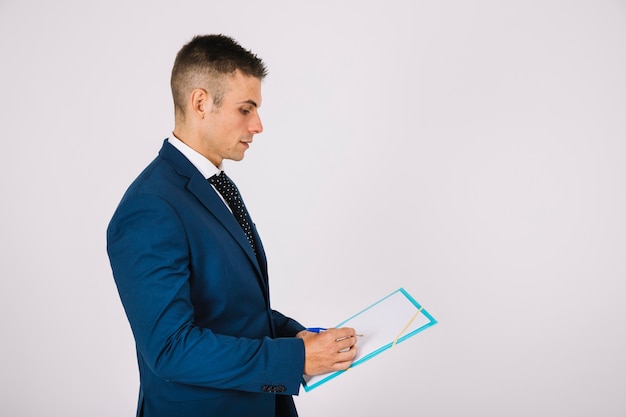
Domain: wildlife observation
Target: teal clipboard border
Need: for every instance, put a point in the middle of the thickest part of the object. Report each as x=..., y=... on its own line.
x=430, y=323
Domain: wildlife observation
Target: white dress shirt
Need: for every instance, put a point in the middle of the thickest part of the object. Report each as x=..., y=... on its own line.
x=206, y=167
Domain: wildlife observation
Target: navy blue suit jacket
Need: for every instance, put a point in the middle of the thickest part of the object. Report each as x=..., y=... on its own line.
x=196, y=296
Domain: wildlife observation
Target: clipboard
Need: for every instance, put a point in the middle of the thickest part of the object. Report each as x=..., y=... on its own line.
x=389, y=321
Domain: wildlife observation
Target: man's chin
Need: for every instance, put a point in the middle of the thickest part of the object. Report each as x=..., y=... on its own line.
x=236, y=158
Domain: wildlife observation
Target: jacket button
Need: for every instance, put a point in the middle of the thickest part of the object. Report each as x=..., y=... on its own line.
x=273, y=388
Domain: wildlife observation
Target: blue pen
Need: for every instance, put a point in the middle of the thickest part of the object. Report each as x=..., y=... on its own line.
x=316, y=329
x=322, y=329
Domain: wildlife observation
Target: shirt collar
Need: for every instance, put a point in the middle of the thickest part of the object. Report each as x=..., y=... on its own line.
x=206, y=168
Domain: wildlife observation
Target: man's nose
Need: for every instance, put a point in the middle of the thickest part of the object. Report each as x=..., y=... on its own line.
x=256, y=126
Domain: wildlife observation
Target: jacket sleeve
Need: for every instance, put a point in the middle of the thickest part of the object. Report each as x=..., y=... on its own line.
x=149, y=256
x=285, y=326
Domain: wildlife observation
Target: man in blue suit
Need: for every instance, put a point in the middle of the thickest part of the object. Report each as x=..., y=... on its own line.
x=191, y=277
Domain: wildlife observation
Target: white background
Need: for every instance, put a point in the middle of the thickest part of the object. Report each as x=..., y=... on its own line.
x=472, y=152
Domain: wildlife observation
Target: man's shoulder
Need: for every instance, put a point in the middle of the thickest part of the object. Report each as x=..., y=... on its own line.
x=165, y=179
x=159, y=178
x=157, y=175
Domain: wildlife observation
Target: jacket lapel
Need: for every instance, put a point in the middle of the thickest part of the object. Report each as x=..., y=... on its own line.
x=202, y=190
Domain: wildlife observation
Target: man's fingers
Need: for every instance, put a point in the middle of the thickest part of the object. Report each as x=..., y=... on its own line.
x=344, y=344
x=345, y=359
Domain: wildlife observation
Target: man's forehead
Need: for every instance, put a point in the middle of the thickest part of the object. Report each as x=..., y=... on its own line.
x=245, y=89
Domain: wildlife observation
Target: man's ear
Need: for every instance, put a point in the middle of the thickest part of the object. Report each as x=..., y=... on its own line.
x=200, y=102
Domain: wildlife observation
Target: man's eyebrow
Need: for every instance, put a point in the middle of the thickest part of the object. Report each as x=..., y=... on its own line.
x=251, y=102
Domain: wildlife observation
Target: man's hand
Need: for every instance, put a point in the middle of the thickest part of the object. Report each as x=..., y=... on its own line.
x=328, y=351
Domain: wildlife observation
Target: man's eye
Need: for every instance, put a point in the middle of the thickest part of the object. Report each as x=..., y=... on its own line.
x=245, y=111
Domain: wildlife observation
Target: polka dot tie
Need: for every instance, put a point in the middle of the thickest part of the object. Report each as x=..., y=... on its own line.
x=229, y=191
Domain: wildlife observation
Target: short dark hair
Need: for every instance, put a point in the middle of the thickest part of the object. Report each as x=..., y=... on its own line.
x=205, y=61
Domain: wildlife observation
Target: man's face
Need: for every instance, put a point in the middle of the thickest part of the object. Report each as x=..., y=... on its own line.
x=227, y=130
